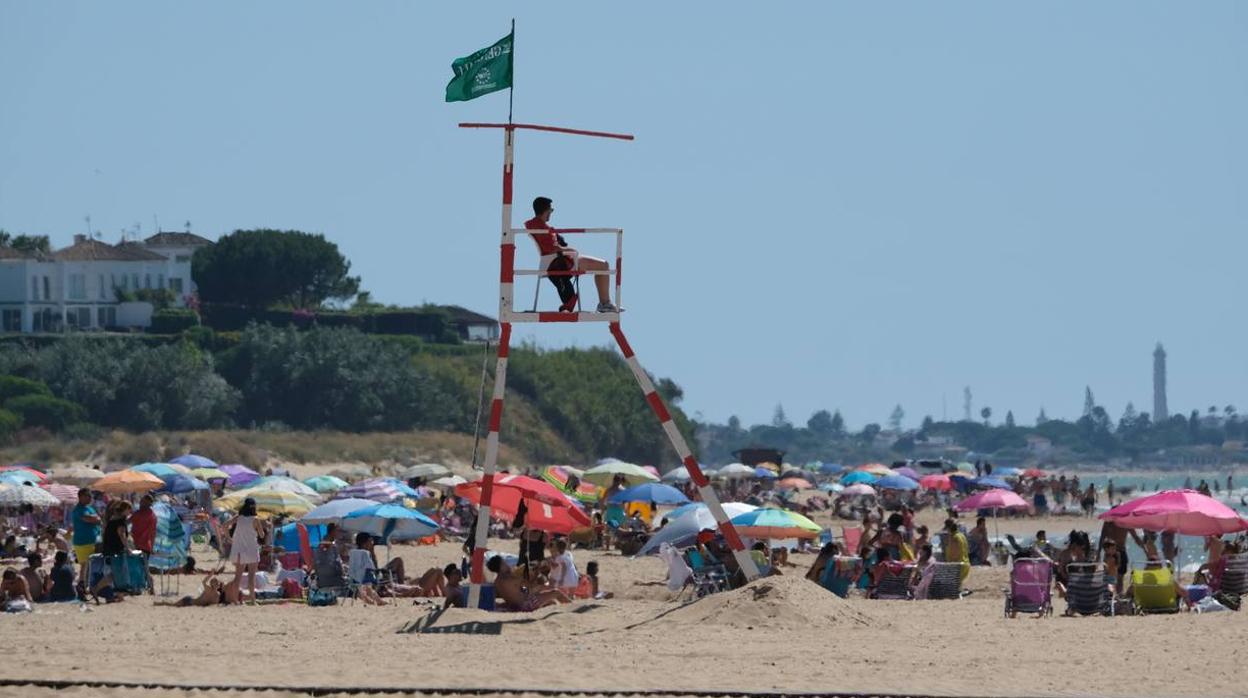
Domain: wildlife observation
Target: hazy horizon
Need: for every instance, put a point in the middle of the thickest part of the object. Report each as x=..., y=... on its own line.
x=827, y=206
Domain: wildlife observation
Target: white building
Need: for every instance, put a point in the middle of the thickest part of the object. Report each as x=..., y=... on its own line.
x=76, y=288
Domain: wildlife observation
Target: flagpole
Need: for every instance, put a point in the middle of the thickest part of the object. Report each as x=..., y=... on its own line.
x=511, y=90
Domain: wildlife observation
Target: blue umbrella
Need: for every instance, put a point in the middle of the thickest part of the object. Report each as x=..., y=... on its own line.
x=858, y=476
x=193, y=461
x=650, y=492
x=993, y=482
x=172, y=541
x=160, y=470
x=403, y=487
x=1006, y=471
x=332, y=512
x=390, y=521
x=896, y=482
x=181, y=484
x=20, y=477
x=831, y=468
x=764, y=473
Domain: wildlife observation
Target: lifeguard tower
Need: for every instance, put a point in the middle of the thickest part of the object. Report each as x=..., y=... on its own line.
x=507, y=315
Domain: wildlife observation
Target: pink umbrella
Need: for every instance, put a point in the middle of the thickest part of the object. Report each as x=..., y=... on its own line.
x=794, y=483
x=1182, y=511
x=940, y=483
x=858, y=490
x=652, y=470
x=67, y=494
x=991, y=499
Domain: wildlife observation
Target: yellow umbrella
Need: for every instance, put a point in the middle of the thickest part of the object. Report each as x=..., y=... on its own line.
x=876, y=469
x=267, y=502
x=210, y=474
x=127, y=482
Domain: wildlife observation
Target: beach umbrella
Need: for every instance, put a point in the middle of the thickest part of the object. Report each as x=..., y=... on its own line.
x=603, y=475
x=832, y=487
x=734, y=471
x=1006, y=471
x=684, y=523
x=792, y=472
x=993, y=482
x=38, y=475
x=160, y=470
x=18, y=495
x=281, y=483
x=775, y=523
x=239, y=475
x=323, y=484
x=939, y=483
x=764, y=473
x=267, y=502
x=172, y=541
x=831, y=468
x=965, y=467
x=1034, y=472
x=559, y=476
x=333, y=511
x=193, y=461
x=896, y=482
x=859, y=490
x=181, y=484
x=390, y=522
x=908, y=472
x=20, y=477
x=424, y=470
x=207, y=474
x=449, y=482
x=79, y=475
x=65, y=494
x=378, y=489
x=768, y=465
x=992, y=499
x=548, y=509
x=128, y=482
x=1183, y=511
x=855, y=477
x=794, y=483
x=680, y=474
x=875, y=469
x=650, y=492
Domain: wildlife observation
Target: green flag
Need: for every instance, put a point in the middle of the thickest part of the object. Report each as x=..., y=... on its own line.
x=486, y=71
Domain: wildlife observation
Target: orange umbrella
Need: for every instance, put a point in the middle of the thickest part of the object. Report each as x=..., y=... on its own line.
x=127, y=482
x=794, y=483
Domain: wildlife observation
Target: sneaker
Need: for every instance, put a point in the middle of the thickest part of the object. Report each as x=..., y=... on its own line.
x=607, y=307
x=570, y=305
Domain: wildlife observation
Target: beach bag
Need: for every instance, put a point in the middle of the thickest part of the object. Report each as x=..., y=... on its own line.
x=291, y=589
x=321, y=597
x=1231, y=601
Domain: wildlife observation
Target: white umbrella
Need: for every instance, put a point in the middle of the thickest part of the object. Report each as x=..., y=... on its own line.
x=448, y=482
x=280, y=483
x=686, y=526
x=79, y=475
x=736, y=470
x=425, y=470
x=680, y=474
x=19, y=495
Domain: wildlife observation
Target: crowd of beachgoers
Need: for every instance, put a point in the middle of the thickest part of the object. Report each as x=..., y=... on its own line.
x=84, y=535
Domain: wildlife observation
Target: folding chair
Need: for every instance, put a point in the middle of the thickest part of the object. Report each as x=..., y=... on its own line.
x=946, y=581
x=1153, y=589
x=1031, y=587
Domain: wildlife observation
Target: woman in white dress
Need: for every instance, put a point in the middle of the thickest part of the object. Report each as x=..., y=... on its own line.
x=245, y=531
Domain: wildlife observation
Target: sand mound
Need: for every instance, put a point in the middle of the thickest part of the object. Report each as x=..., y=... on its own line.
x=772, y=602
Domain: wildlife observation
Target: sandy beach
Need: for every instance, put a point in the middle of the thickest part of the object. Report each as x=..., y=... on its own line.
x=778, y=634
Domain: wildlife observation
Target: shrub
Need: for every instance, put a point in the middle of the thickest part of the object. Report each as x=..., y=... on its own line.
x=173, y=321
x=51, y=413
x=15, y=386
x=10, y=423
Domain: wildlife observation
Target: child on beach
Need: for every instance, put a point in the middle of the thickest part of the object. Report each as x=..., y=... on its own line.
x=591, y=572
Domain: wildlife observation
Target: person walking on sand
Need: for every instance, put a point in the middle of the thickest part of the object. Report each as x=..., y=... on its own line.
x=245, y=531
x=85, y=522
x=558, y=256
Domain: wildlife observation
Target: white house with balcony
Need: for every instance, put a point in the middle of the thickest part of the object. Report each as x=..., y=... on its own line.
x=76, y=287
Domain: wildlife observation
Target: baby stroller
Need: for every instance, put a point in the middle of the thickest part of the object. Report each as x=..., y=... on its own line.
x=1031, y=587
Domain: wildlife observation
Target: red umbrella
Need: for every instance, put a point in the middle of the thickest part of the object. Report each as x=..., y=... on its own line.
x=548, y=509
x=1182, y=511
x=940, y=483
x=41, y=475
x=1034, y=472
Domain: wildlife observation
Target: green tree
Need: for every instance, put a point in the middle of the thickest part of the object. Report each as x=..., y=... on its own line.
x=986, y=413
x=894, y=419
x=1009, y=419
x=838, y=425
x=820, y=424
x=869, y=432
x=1042, y=417
x=51, y=413
x=928, y=422
x=31, y=244
x=1089, y=402
x=779, y=420
x=261, y=268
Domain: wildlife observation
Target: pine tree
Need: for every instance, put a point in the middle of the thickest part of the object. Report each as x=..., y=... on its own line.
x=894, y=419
x=1009, y=419
x=1042, y=417
x=1089, y=402
x=778, y=419
x=838, y=424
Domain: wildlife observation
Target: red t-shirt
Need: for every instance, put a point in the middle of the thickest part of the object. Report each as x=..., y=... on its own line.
x=546, y=242
x=143, y=529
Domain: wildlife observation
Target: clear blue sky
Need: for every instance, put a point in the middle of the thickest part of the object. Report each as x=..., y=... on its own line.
x=827, y=205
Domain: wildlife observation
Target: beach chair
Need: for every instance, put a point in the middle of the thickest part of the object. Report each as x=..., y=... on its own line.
x=853, y=538
x=761, y=561
x=1087, y=590
x=946, y=581
x=841, y=574
x=1234, y=578
x=1031, y=587
x=327, y=573
x=895, y=584
x=706, y=577
x=1153, y=589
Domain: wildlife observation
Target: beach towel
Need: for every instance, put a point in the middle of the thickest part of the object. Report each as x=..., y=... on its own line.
x=678, y=571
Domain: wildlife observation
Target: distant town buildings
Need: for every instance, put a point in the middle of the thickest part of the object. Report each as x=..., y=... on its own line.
x=1160, y=413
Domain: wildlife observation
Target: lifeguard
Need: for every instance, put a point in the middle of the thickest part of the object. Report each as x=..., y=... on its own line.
x=558, y=256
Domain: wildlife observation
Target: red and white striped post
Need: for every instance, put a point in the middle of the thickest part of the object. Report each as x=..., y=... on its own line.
x=506, y=284
x=748, y=568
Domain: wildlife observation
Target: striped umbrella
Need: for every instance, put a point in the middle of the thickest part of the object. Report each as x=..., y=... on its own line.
x=13, y=495
x=65, y=494
x=377, y=489
x=172, y=540
x=267, y=502
x=603, y=475
x=279, y=483
x=775, y=523
x=559, y=477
